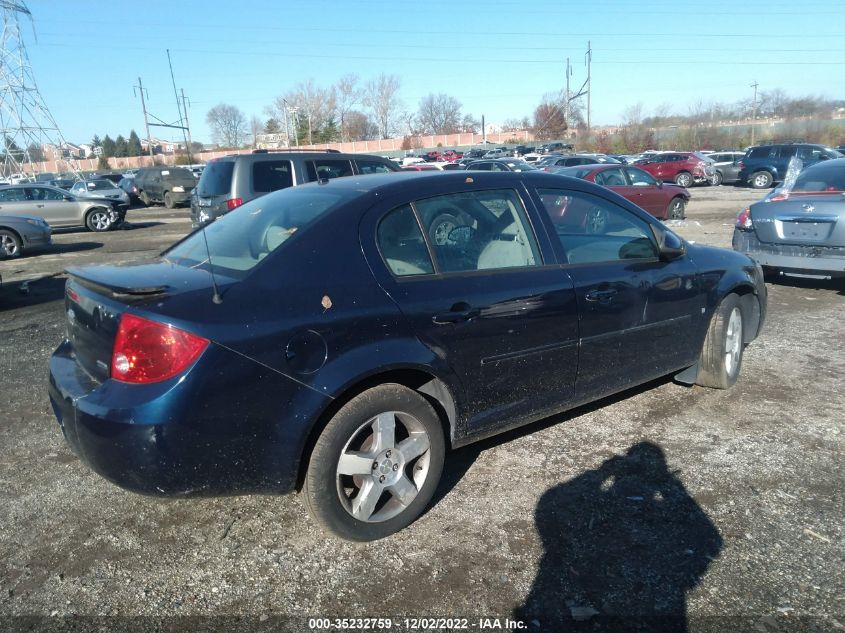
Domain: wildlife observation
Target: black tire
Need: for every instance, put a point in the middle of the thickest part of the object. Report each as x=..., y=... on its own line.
x=440, y=228
x=761, y=180
x=331, y=496
x=721, y=354
x=10, y=244
x=684, y=179
x=98, y=219
x=716, y=180
x=676, y=209
x=144, y=198
x=168, y=200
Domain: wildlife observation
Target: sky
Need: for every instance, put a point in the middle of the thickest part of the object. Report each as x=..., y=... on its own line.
x=498, y=58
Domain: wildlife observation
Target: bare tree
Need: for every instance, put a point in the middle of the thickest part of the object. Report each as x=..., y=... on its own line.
x=348, y=96
x=381, y=97
x=256, y=127
x=315, y=109
x=359, y=127
x=228, y=124
x=439, y=114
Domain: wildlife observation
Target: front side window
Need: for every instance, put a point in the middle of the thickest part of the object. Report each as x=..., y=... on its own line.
x=43, y=193
x=373, y=167
x=402, y=244
x=478, y=230
x=593, y=230
x=326, y=168
x=610, y=178
x=271, y=175
x=640, y=178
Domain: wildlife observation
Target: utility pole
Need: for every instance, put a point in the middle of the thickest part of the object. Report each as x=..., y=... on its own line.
x=140, y=88
x=178, y=106
x=589, y=62
x=287, y=126
x=566, y=103
x=753, y=110
x=187, y=125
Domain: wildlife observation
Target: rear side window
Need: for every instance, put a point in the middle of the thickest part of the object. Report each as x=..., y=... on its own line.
x=216, y=178
x=402, y=245
x=373, y=167
x=787, y=151
x=12, y=195
x=760, y=152
x=328, y=168
x=271, y=175
x=593, y=230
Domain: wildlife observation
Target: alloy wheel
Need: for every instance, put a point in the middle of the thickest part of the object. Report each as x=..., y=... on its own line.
x=733, y=341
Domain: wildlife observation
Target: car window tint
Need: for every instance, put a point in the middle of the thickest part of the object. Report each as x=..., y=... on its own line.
x=592, y=229
x=50, y=194
x=328, y=168
x=610, y=178
x=216, y=179
x=372, y=167
x=402, y=245
x=12, y=195
x=640, y=178
x=808, y=152
x=478, y=230
x=271, y=175
x=821, y=178
x=787, y=151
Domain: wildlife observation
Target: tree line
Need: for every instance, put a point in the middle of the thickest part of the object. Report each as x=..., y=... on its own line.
x=119, y=147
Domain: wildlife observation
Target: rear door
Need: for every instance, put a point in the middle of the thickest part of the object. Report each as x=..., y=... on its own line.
x=636, y=311
x=489, y=299
x=52, y=206
x=645, y=191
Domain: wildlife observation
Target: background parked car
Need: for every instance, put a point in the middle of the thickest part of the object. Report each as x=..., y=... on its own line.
x=726, y=167
x=682, y=168
x=62, y=183
x=500, y=164
x=60, y=208
x=127, y=184
x=22, y=233
x=171, y=186
x=100, y=188
x=499, y=152
x=664, y=201
x=802, y=230
x=764, y=165
x=230, y=181
x=556, y=146
x=551, y=161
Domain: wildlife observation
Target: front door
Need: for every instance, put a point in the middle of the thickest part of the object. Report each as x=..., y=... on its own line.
x=51, y=205
x=468, y=270
x=636, y=311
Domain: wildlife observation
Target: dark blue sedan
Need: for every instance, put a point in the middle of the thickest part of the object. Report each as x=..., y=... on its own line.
x=341, y=336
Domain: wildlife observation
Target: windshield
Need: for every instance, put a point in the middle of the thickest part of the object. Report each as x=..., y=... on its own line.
x=239, y=240
x=98, y=185
x=822, y=178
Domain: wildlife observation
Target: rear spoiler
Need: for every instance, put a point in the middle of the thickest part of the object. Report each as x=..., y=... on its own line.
x=98, y=285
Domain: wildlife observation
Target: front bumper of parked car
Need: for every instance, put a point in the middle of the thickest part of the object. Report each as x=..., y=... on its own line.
x=801, y=259
x=184, y=436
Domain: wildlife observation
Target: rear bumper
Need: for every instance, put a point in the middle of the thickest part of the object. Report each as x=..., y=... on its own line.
x=197, y=434
x=828, y=260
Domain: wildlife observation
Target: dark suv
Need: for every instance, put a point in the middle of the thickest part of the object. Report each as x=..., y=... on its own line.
x=170, y=185
x=228, y=182
x=764, y=165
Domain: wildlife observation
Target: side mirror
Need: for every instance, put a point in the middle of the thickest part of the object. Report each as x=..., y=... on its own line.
x=68, y=198
x=669, y=245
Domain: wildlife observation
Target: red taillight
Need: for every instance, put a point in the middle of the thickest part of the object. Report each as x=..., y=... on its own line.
x=743, y=220
x=148, y=351
x=73, y=295
x=234, y=203
x=741, y=165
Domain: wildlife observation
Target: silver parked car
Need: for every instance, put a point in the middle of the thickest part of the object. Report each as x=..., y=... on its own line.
x=20, y=233
x=799, y=229
x=61, y=208
x=100, y=188
x=726, y=166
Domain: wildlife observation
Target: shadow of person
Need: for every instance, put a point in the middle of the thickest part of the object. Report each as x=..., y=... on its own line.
x=623, y=544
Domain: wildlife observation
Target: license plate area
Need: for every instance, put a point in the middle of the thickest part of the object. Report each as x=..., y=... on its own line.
x=804, y=231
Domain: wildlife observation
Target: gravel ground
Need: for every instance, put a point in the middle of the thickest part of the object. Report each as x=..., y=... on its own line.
x=712, y=510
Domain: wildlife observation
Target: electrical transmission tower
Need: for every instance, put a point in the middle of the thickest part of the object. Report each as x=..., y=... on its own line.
x=26, y=125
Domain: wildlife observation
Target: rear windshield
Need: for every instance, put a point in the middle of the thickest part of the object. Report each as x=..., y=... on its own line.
x=216, y=179
x=239, y=240
x=821, y=178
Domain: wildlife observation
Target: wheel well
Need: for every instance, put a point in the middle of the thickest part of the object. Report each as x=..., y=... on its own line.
x=750, y=311
x=12, y=231
x=427, y=385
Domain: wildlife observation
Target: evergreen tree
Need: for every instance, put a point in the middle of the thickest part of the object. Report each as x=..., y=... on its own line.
x=108, y=146
x=133, y=145
x=272, y=126
x=120, y=147
x=328, y=133
x=96, y=142
x=36, y=154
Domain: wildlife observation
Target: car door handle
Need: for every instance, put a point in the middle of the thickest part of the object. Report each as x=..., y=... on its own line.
x=457, y=313
x=40, y=206
x=601, y=296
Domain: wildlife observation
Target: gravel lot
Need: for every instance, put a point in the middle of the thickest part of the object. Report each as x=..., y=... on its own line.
x=723, y=509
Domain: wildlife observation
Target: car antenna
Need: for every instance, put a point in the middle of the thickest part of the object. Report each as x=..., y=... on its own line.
x=215, y=297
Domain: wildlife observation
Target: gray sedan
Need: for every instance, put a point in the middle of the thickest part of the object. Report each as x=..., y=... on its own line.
x=100, y=188
x=799, y=230
x=20, y=233
x=61, y=208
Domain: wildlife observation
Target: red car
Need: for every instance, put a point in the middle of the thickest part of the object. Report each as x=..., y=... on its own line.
x=682, y=168
x=451, y=155
x=663, y=201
